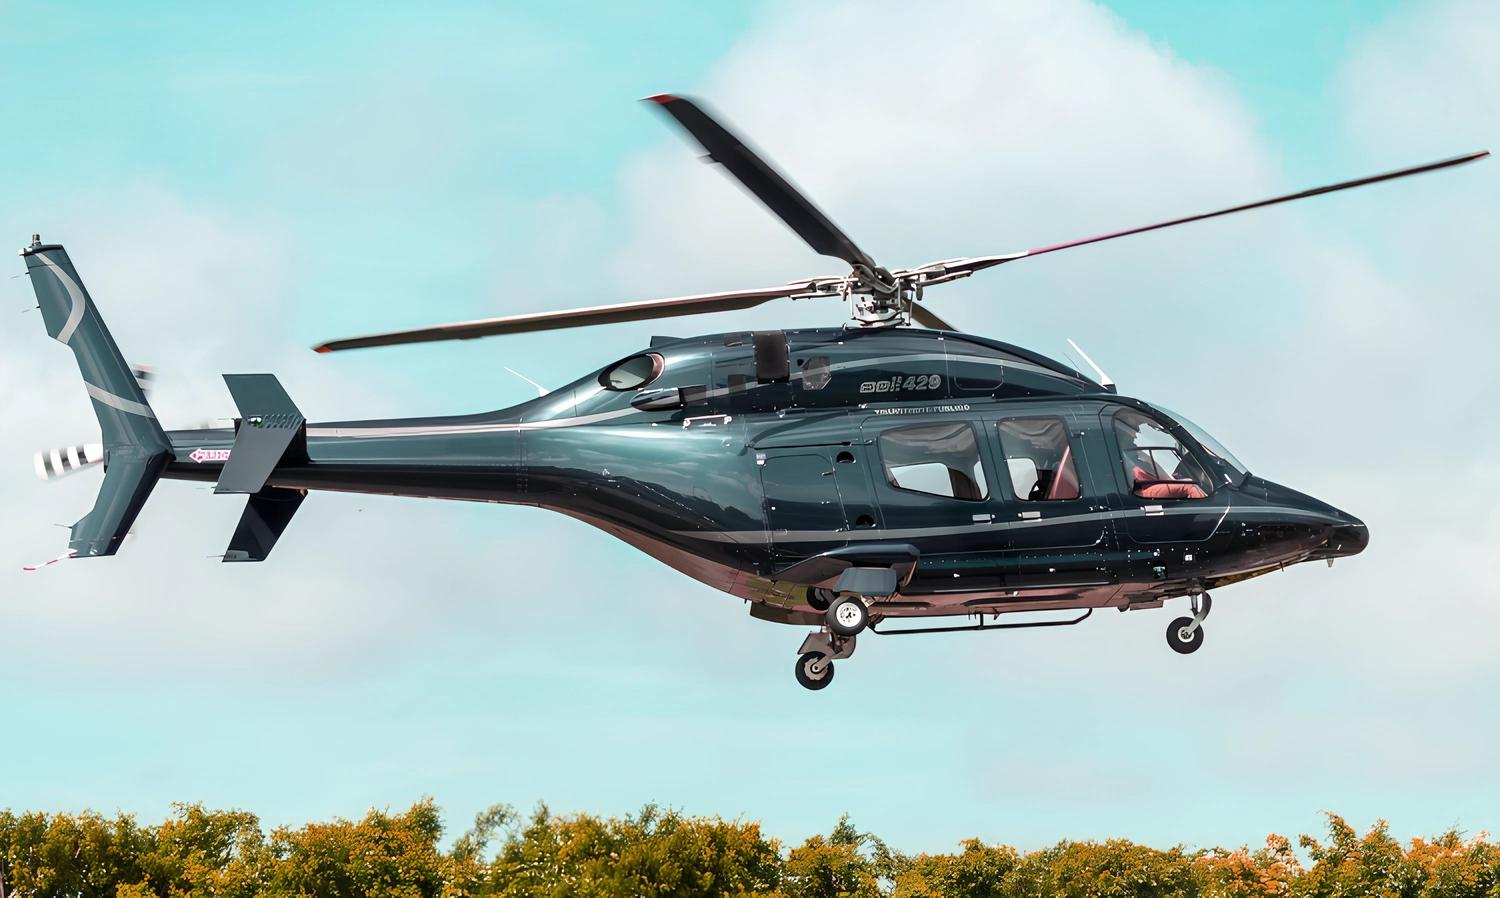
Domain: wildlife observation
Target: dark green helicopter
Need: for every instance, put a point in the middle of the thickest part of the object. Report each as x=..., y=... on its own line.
x=837, y=478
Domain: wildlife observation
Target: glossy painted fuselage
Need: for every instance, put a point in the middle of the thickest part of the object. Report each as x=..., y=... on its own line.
x=754, y=475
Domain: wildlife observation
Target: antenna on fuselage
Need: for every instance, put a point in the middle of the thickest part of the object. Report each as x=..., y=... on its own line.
x=540, y=390
x=1104, y=379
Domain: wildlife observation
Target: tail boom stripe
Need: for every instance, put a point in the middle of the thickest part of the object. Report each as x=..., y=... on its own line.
x=75, y=314
x=118, y=402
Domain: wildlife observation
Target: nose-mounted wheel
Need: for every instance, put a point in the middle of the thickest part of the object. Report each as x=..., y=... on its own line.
x=1185, y=634
x=814, y=670
x=815, y=659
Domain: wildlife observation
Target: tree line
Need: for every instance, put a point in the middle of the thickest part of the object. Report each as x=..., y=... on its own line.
x=657, y=852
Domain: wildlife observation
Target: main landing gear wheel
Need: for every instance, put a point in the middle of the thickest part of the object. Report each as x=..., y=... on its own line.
x=1183, y=637
x=848, y=616
x=814, y=670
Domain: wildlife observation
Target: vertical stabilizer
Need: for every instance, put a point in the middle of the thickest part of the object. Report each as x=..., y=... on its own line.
x=136, y=449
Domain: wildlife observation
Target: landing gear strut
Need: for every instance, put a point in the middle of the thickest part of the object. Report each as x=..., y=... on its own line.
x=1185, y=634
x=815, y=659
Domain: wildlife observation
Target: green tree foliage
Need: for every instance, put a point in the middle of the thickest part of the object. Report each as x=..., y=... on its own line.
x=978, y=871
x=659, y=853
x=846, y=863
x=655, y=853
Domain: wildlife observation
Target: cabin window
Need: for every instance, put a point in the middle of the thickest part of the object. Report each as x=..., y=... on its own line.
x=1157, y=464
x=937, y=459
x=632, y=373
x=1040, y=459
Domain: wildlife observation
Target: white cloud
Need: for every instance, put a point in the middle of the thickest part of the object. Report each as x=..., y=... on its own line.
x=1427, y=79
x=1045, y=121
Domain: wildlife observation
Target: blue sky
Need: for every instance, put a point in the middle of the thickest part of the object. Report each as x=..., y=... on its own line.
x=235, y=190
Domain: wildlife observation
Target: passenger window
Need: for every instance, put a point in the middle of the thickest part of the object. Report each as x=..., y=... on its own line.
x=1040, y=458
x=1157, y=466
x=938, y=459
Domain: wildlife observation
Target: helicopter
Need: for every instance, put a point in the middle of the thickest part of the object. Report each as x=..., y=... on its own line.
x=890, y=474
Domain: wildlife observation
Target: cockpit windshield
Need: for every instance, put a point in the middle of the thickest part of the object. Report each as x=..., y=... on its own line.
x=1230, y=467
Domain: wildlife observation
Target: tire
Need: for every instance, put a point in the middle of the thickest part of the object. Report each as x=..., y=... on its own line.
x=848, y=616
x=820, y=598
x=807, y=678
x=1175, y=636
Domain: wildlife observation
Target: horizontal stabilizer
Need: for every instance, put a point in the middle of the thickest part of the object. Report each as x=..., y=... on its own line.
x=271, y=431
x=265, y=519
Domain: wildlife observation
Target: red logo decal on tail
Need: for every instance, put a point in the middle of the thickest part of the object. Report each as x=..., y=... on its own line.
x=202, y=455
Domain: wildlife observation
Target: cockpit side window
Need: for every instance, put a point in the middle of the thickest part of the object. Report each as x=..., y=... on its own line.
x=937, y=459
x=1040, y=459
x=1157, y=464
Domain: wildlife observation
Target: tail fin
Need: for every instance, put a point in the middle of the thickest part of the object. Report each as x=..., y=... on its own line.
x=136, y=449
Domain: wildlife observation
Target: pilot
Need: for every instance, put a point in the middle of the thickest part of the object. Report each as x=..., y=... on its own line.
x=1147, y=479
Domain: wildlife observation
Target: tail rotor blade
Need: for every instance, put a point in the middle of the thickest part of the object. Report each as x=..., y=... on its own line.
x=51, y=464
x=765, y=182
x=144, y=376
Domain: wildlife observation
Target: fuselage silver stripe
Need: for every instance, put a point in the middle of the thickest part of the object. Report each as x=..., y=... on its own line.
x=913, y=532
x=75, y=294
x=440, y=430
x=119, y=402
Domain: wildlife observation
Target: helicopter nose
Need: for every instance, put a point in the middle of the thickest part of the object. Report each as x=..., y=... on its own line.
x=1347, y=538
x=1341, y=533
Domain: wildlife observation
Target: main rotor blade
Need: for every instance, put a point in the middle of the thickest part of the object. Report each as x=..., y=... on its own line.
x=929, y=319
x=766, y=183
x=585, y=317
x=957, y=268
